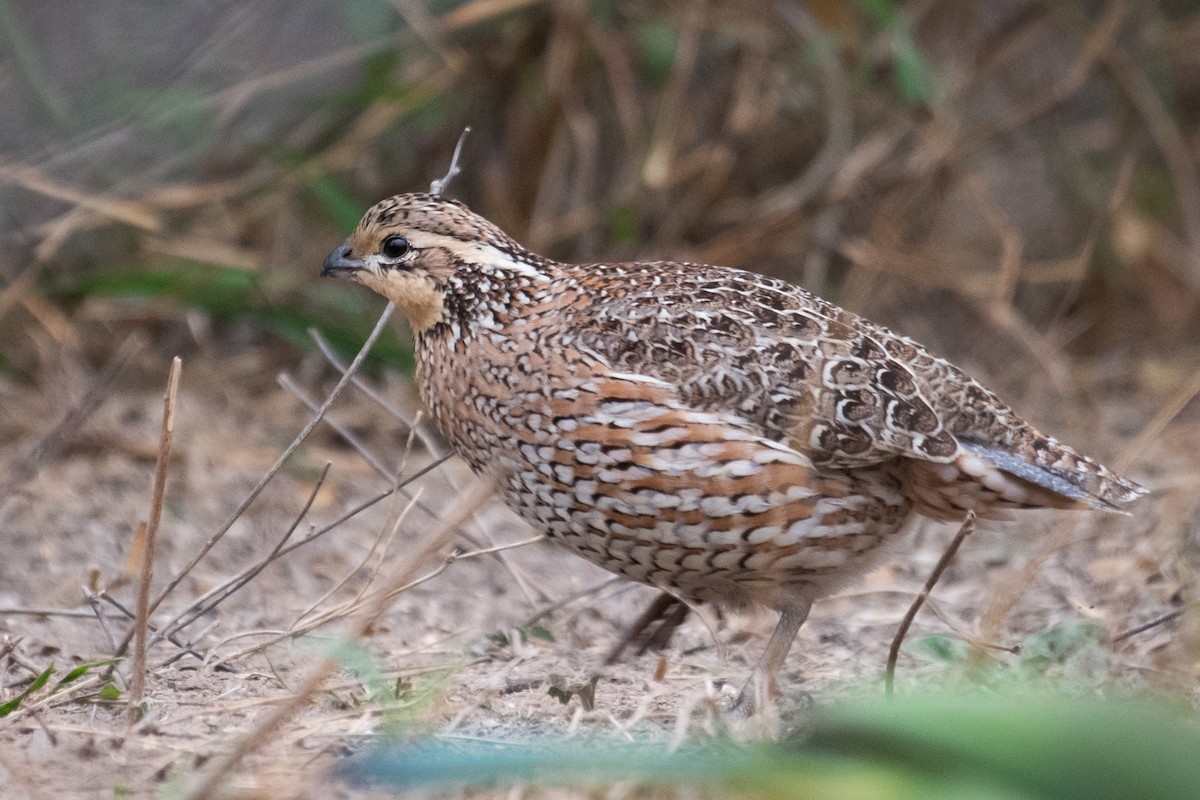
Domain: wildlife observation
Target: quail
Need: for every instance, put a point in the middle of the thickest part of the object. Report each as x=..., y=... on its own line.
x=727, y=437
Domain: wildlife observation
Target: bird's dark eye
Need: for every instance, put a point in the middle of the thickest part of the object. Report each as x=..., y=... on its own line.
x=395, y=247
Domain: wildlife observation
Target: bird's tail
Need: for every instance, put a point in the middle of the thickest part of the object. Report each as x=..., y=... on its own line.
x=1046, y=462
x=1034, y=472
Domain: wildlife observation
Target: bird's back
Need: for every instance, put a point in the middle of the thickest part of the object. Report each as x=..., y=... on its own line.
x=846, y=392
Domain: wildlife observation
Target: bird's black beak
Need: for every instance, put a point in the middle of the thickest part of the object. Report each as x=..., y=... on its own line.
x=339, y=261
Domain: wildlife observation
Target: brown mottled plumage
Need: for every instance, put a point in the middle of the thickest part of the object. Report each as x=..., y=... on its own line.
x=727, y=437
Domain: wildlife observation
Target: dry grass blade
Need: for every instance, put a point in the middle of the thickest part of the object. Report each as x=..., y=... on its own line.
x=130, y=213
x=1175, y=404
x=1154, y=623
x=218, y=594
x=279, y=462
x=26, y=467
x=658, y=167
x=361, y=507
x=430, y=443
x=380, y=601
x=373, y=460
x=309, y=619
x=146, y=572
x=965, y=530
x=479, y=11
x=18, y=288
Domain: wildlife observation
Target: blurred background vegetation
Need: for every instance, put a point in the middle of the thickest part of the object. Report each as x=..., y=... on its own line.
x=1013, y=181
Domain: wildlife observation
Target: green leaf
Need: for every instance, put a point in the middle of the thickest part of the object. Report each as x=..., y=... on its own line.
x=913, y=76
x=882, y=12
x=38, y=682
x=81, y=670
x=345, y=210
x=539, y=632
x=658, y=43
x=623, y=224
x=945, y=649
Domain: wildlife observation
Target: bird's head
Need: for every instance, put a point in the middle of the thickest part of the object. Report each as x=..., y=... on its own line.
x=416, y=248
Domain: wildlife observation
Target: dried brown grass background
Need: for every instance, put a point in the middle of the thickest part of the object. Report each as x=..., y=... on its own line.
x=1033, y=212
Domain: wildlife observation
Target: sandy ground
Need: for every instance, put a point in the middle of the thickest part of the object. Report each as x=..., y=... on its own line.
x=458, y=653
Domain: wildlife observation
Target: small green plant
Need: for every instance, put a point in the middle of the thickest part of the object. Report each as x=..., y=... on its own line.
x=43, y=678
x=1068, y=655
x=914, y=79
x=522, y=634
x=401, y=701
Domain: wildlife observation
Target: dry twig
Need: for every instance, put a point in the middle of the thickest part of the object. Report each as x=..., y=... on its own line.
x=279, y=462
x=968, y=526
x=146, y=573
x=1154, y=623
x=218, y=594
x=52, y=442
x=379, y=602
x=430, y=443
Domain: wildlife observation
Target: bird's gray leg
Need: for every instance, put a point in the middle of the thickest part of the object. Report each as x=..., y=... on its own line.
x=763, y=686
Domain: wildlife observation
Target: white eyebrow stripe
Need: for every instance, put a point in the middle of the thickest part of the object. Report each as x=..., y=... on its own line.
x=477, y=251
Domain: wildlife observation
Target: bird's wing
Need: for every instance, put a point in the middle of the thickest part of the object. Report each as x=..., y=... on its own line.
x=840, y=389
x=804, y=371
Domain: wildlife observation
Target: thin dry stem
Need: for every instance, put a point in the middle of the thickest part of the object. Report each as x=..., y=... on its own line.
x=46, y=611
x=279, y=462
x=965, y=530
x=273, y=722
x=1180, y=399
x=374, y=461
x=438, y=186
x=430, y=443
x=94, y=602
x=478, y=11
x=1154, y=623
x=186, y=648
x=218, y=594
x=141, y=623
x=380, y=545
x=280, y=635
